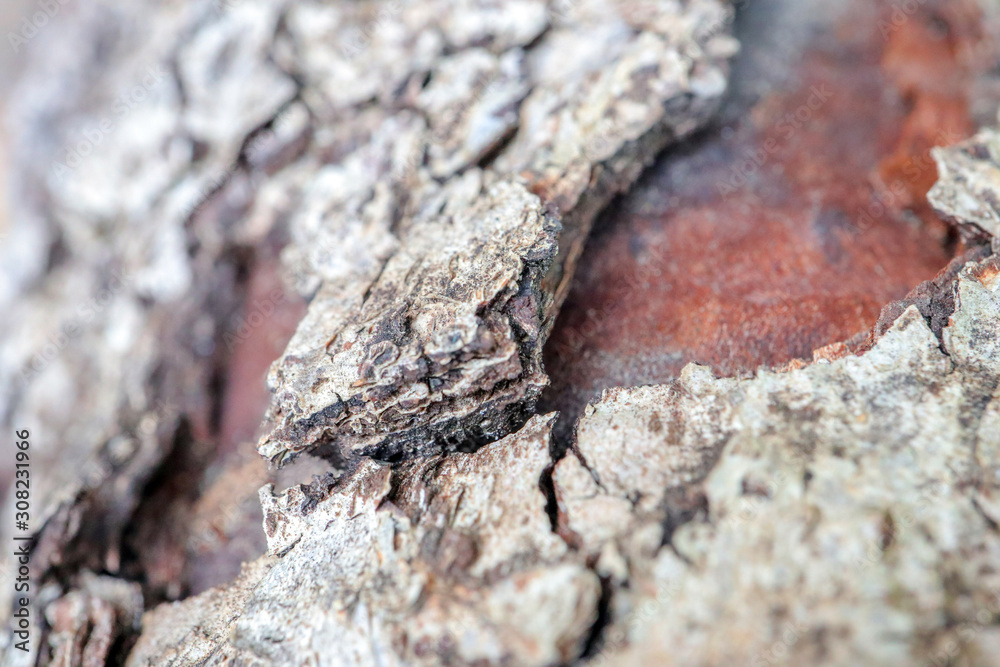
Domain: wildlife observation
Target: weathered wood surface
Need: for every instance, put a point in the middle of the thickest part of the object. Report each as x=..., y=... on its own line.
x=838, y=512
x=163, y=148
x=116, y=297
x=968, y=190
x=440, y=248
x=844, y=512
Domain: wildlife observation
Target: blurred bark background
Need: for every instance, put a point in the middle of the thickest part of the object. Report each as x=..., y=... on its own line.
x=11, y=15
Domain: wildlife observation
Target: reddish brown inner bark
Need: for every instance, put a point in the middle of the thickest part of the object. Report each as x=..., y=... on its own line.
x=228, y=508
x=201, y=517
x=790, y=228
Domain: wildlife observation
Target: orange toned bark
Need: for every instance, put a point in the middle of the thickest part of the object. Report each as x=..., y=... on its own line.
x=786, y=232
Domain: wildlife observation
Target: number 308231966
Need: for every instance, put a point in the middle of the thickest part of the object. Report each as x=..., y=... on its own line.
x=22, y=482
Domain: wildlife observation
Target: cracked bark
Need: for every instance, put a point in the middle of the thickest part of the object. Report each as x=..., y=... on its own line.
x=838, y=512
x=431, y=340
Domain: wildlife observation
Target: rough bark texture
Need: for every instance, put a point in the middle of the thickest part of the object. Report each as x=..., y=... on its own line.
x=392, y=149
x=840, y=513
x=441, y=246
x=848, y=513
x=797, y=218
x=969, y=187
x=431, y=171
x=117, y=291
x=436, y=561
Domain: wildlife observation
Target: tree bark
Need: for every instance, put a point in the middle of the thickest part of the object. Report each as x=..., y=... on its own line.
x=408, y=186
